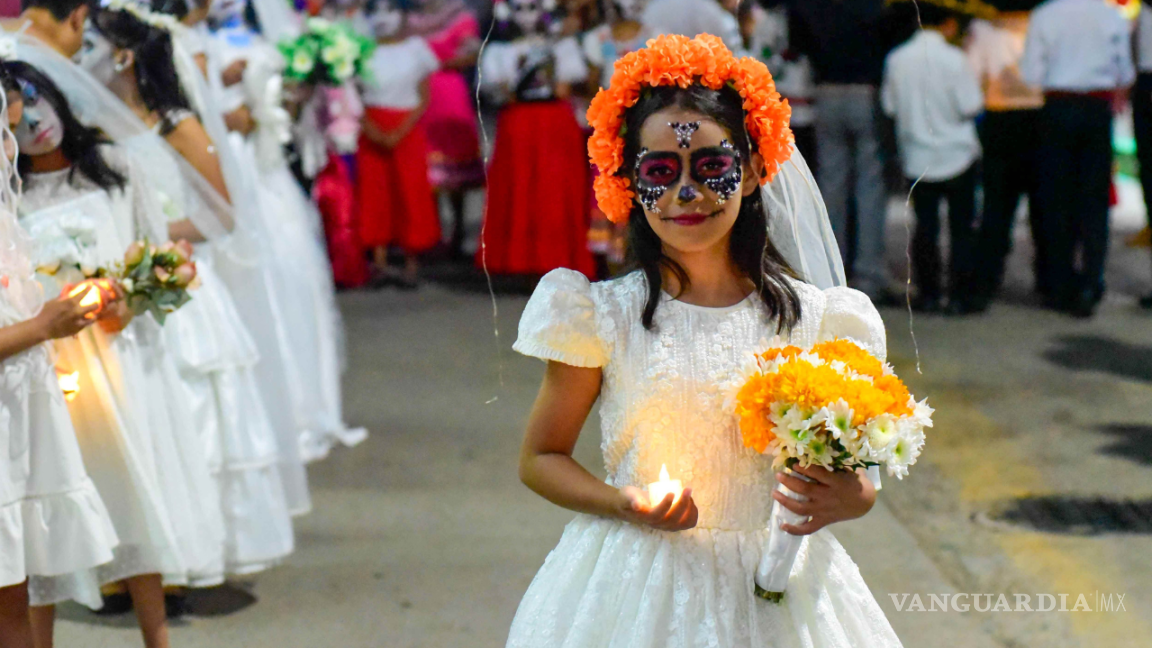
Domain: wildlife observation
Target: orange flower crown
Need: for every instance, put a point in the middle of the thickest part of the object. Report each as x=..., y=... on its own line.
x=679, y=60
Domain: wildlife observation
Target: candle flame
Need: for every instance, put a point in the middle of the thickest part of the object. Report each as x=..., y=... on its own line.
x=93, y=296
x=69, y=384
x=664, y=473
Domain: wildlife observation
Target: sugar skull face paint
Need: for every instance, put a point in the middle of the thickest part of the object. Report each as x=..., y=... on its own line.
x=40, y=130
x=684, y=132
x=719, y=169
x=655, y=173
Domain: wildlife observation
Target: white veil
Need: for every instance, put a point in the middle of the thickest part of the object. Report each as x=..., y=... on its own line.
x=23, y=295
x=277, y=20
x=95, y=105
x=798, y=224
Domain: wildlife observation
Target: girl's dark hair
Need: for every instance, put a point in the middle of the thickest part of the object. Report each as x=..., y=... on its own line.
x=751, y=250
x=175, y=8
x=151, y=47
x=81, y=144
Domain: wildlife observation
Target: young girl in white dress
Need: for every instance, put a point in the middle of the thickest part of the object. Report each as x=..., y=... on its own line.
x=311, y=349
x=84, y=203
x=214, y=352
x=658, y=347
x=52, y=520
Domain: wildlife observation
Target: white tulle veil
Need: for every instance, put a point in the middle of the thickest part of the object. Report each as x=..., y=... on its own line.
x=798, y=224
x=23, y=295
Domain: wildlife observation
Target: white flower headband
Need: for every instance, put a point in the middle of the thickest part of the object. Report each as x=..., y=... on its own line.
x=157, y=20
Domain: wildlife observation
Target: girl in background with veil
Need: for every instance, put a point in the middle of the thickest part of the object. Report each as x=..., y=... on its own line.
x=52, y=519
x=682, y=162
x=214, y=349
x=85, y=202
x=305, y=294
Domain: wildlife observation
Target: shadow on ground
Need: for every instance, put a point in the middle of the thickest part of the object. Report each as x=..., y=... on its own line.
x=224, y=600
x=1084, y=516
x=1097, y=353
x=1131, y=441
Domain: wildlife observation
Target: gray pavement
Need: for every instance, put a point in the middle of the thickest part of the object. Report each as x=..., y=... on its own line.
x=423, y=536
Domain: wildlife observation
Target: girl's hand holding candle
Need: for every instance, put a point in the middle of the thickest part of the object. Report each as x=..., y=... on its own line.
x=664, y=507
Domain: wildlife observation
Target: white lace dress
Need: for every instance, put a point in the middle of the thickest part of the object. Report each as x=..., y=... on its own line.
x=215, y=356
x=134, y=430
x=52, y=520
x=613, y=584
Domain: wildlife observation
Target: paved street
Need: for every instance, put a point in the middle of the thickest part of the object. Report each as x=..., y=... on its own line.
x=423, y=536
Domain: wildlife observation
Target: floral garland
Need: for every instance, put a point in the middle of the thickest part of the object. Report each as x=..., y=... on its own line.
x=160, y=21
x=677, y=60
x=326, y=53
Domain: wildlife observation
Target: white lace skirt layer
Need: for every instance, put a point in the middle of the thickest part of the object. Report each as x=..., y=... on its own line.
x=52, y=521
x=215, y=357
x=314, y=327
x=119, y=449
x=610, y=584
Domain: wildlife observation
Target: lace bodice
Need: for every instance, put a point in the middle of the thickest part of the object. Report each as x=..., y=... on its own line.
x=662, y=398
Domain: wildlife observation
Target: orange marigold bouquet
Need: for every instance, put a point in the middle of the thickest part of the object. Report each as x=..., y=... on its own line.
x=834, y=405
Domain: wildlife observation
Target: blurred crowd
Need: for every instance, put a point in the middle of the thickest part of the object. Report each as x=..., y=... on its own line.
x=985, y=108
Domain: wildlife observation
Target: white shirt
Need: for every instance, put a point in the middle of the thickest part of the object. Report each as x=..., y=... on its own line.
x=994, y=51
x=1144, y=39
x=1078, y=46
x=398, y=70
x=691, y=18
x=931, y=91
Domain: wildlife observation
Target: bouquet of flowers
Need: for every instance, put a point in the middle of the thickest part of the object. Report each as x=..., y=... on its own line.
x=834, y=405
x=157, y=279
x=326, y=53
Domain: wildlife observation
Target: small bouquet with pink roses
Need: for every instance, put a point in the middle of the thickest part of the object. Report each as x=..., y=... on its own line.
x=157, y=280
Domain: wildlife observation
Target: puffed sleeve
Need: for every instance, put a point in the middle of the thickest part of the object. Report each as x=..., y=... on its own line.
x=850, y=314
x=560, y=322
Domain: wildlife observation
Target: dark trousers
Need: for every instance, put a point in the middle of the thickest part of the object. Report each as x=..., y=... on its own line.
x=1075, y=176
x=960, y=194
x=1142, y=120
x=1010, y=140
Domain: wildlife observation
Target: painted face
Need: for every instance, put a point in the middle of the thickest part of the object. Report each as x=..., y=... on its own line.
x=688, y=178
x=97, y=56
x=386, y=21
x=40, y=130
x=526, y=14
x=630, y=9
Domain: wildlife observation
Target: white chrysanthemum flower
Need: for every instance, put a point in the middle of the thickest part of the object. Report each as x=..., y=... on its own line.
x=794, y=428
x=922, y=413
x=344, y=70
x=819, y=451
x=303, y=62
x=840, y=367
x=905, y=451
x=837, y=417
x=880, y=433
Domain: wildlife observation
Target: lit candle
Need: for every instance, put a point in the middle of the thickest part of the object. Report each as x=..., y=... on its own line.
x=69, y=384
x=659, y=489
x=94, y=296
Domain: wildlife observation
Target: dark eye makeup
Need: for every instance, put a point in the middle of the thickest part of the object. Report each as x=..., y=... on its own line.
x=658, y=169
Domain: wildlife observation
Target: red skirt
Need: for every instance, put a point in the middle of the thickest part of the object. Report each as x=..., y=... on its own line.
x=396, y=203
x=536, y=218
x=335, y=198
